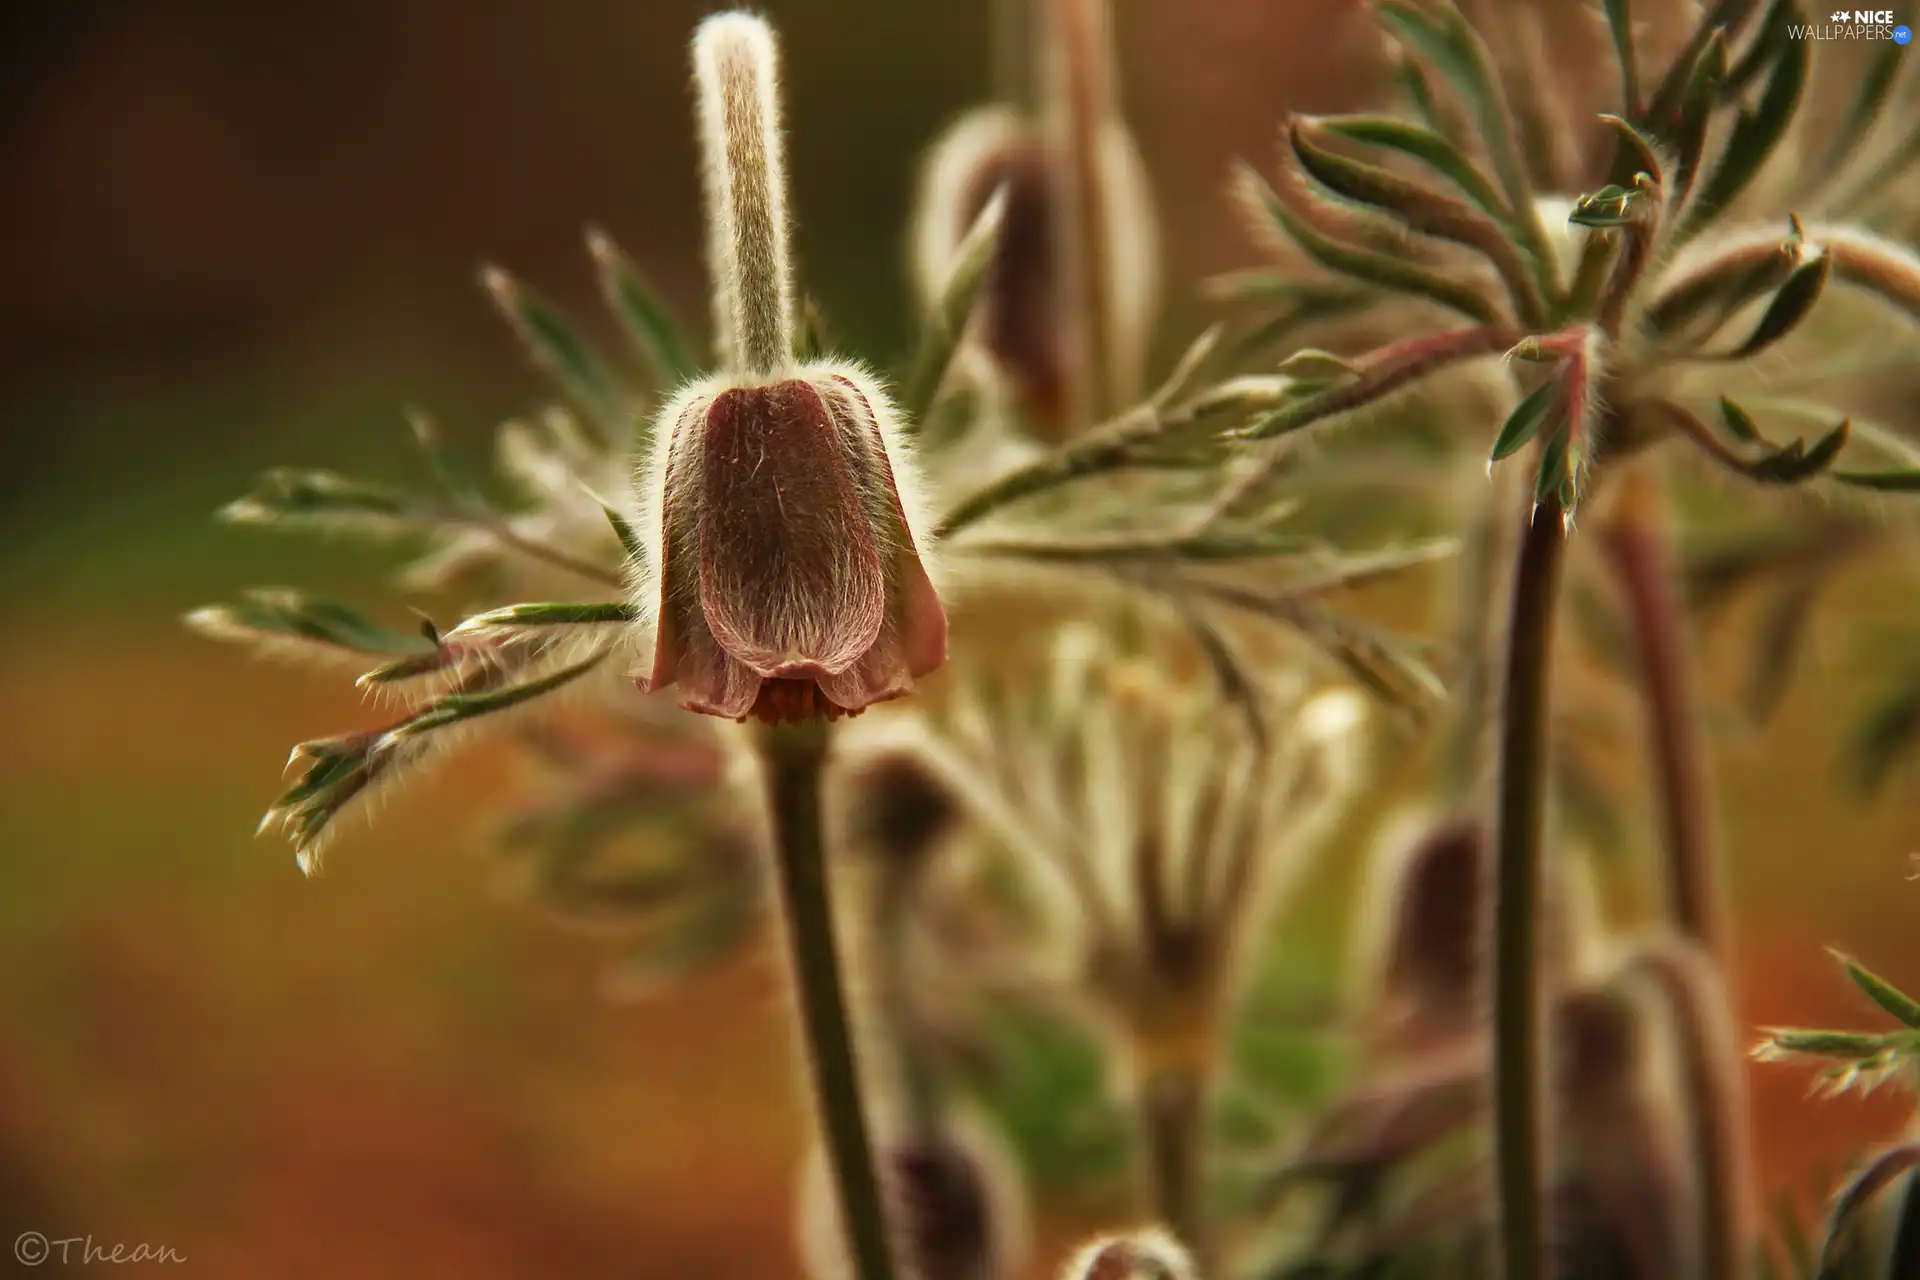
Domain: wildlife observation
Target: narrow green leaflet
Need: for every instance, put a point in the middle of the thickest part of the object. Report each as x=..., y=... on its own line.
x=1847, y=1046
x=1884, y=481
x=550, y=615
x=1667, y=97
x=1686, y=132
x=296, y=615
x=1739, y=422
x=558, y=348
x=290, y=494
x=1755, y=135
x=1450, y=44
x=1779, y=636
x=453, y=478
x=944, y=325
x=1548, y=481
x=1525, y=420
x=1772, y=31
x=456, y=707
x=1889, y=733
x=1414, y=80
x=1424, y=145
x=1791, y=304
x=1797, y=461
x=1895, y=1003
x=642, y=312
x=1365, y=264
x=1311, y=364
x=629, y=539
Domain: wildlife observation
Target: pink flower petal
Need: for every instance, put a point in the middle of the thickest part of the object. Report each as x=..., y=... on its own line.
x=669, y=644
x=790, y=578
x=919, y=617
x=715, y=683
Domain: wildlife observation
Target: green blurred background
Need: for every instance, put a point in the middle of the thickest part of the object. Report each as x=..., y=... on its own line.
x=241, y=234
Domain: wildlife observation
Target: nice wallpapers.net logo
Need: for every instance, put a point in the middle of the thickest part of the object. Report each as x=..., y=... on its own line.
x=1855, y=24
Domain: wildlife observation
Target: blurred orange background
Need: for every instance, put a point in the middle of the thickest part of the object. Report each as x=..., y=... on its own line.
x=245, y=234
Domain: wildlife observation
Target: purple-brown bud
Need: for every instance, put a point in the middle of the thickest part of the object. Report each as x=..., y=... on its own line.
x=959, y=1206
x=1018, y=340
x=789, y=582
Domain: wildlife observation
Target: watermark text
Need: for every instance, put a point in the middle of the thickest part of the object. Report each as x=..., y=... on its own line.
x=34, y=1248
x=1854, y=24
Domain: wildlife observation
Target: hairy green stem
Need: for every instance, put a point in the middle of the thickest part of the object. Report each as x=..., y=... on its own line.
x=1519, y=830
x=1080, y=104
x=794, y=759
x=1016, y=80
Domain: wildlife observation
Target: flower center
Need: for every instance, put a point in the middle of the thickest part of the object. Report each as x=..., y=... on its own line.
x=783, y=701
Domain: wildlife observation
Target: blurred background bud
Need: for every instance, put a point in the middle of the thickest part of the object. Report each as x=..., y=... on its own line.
x=1144, y=1255
x=1627, y=1201
x=961, y=1209
x=1060, y=336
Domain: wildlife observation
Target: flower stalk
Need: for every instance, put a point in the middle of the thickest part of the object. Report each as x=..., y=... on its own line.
x=1519, y=994
x=794, y=758
x=1172, y=1109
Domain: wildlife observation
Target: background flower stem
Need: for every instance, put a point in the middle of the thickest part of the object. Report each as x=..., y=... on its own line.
x=1636, y=543
x=1172, y=1111
x=794, y=758
x=1519, y=997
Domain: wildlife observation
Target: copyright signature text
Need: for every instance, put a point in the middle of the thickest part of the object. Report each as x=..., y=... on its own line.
x=34, y=1248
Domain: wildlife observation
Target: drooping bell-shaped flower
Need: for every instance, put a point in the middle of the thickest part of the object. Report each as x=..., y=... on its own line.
x=784, y=577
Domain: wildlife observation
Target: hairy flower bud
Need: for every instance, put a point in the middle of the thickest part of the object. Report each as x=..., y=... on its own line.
x=1017, y=346
x=900, y=807
x=1061, y=328
x=1420, y=938
x=1143, y=1255
x=780, y=575
x=1627, y=1200
x=1430, y=971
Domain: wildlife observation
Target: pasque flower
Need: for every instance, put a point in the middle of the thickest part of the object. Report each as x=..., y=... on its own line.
x=782, y=574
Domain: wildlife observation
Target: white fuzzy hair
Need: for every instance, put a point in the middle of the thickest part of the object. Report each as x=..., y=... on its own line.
x=941, y=219
x=1149, y=1254
x=677, y=429
x=1124, y=191
x=1117, y=756
x=736, y=81
x=687, y=408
